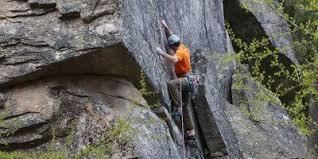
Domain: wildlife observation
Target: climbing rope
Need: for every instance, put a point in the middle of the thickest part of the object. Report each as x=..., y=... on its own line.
x=181, y=113
x=182, y=124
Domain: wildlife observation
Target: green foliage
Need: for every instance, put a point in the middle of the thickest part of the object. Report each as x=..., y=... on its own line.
x=30, y=155
x=253, y=97
x=120, y=134
x=122, y=131
x=144, y=90
x=294, y=84
x=144, y=86
x=11, y=126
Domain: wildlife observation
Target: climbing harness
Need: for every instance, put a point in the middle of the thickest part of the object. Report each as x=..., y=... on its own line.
x=193, y=81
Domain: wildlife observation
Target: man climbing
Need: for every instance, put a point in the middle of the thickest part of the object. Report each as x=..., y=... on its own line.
x=182, y=63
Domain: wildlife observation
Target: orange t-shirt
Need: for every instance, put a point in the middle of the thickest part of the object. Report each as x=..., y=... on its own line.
x=183, y=66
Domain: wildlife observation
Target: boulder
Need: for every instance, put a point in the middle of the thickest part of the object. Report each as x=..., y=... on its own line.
x=261, y=124
x=255, y=126
x=210, y=109
x=73, y=112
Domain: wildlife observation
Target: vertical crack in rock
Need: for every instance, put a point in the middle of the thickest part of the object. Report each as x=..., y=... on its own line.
x=209, y=106
x=205, y=23
x=108, y=38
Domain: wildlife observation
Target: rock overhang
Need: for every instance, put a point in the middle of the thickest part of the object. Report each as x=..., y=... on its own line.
x=76, y=45
x=35, y=37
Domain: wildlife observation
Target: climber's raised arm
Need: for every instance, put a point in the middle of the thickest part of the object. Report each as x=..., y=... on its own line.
x=171, y=58
x=167, y=29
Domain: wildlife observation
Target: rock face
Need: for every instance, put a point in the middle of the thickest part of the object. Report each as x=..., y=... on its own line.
x=203, y=27
x=32, y=36
x=50, y=38
x=275, y=26
x=84, y=108
x=209, y=106
x=262, y=127
x=252, y=19
x=256, y=126
x=71, y=66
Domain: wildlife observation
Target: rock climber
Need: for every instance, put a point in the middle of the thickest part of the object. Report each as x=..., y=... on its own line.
x=180, y=57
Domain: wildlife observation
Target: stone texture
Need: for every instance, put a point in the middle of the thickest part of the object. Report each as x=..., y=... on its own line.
x=203, y=27
x=261, y=125
x=33, y=38
x=210, y=109
x=48, y=38
x=175, y=132
x=257, y=127
x=252, y=19
x=69, y=10
x=42, y=38
x=275, y=26
x=87, y=105
x=72, y=45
